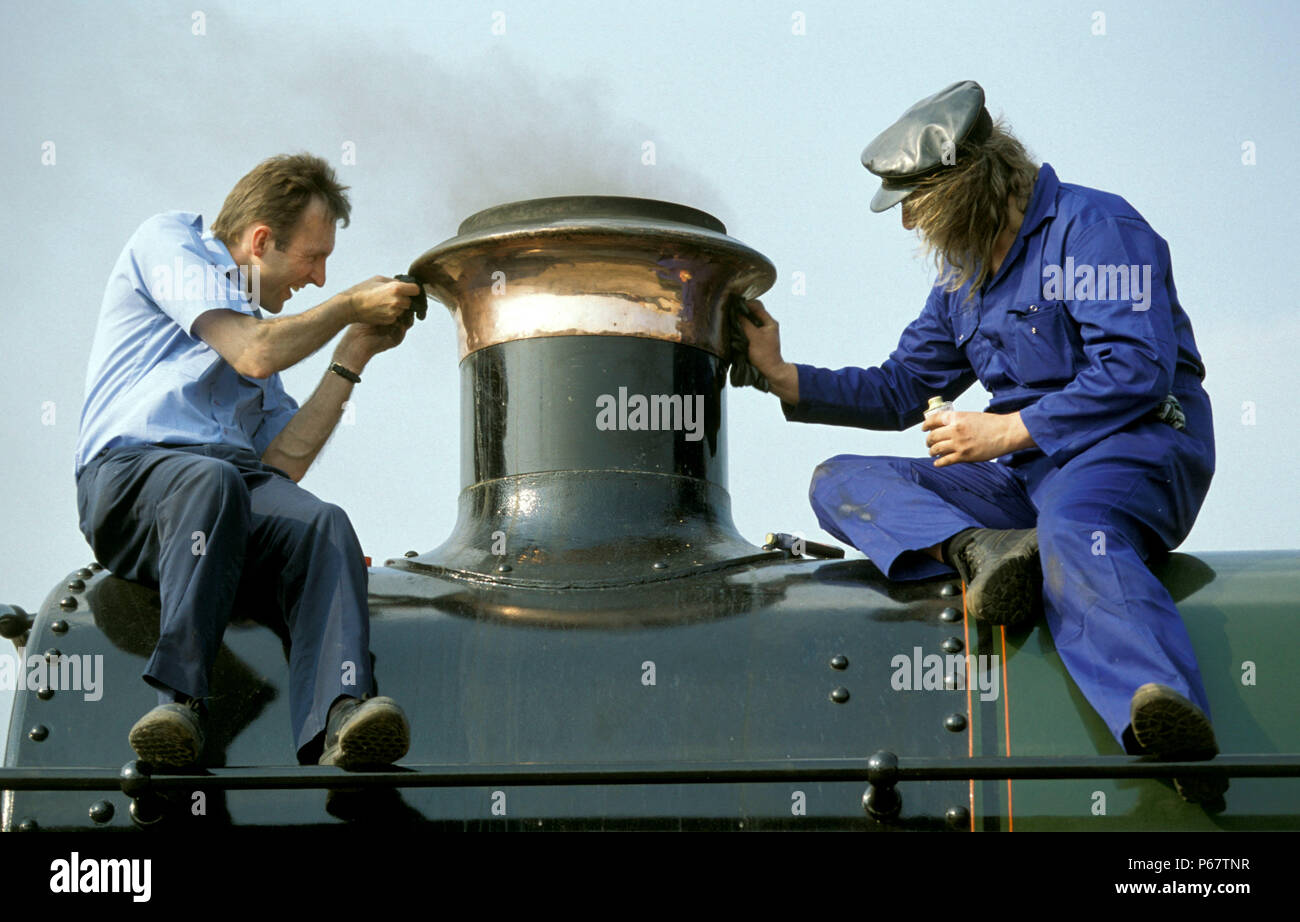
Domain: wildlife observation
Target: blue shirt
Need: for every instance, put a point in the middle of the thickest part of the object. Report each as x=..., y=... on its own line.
x=1080, y=330
x=151, y=380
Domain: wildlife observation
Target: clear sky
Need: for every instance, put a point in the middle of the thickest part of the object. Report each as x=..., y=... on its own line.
x=757, y=112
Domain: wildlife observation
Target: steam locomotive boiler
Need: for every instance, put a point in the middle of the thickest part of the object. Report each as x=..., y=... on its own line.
x=596, y=646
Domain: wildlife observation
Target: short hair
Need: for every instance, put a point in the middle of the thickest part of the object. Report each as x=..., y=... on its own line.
x=960, y=211
x=276, y=192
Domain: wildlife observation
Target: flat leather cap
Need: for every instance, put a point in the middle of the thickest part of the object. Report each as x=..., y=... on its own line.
x=914, y=147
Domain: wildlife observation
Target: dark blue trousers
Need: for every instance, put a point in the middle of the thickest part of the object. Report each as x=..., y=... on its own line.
x=203, y=523
x=1100, y=517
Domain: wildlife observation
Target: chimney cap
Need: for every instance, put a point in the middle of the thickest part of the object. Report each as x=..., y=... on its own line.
x=580, y=208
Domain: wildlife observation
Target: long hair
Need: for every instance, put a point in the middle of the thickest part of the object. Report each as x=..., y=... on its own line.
x=960, y=211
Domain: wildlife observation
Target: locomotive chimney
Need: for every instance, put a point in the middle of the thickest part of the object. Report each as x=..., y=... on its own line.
x=594, y=345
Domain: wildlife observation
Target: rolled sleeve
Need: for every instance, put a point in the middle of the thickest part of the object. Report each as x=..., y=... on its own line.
x=1129, y=343
x=177, y=271
x=892, y=396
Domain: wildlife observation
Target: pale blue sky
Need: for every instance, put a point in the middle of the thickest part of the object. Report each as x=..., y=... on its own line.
x=751, y=121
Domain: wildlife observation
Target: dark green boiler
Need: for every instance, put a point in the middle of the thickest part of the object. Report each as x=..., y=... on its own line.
x=595, y=646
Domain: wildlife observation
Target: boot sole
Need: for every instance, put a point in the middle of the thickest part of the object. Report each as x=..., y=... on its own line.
x=1170, y=727
x=165, y=741
x=375, y=739
x=1012, y=592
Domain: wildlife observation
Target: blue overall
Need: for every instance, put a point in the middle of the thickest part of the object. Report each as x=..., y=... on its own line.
x=1080, y=330
x=172, y=492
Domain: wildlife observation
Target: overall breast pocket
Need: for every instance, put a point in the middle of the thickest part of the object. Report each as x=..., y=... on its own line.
x=1043, y=341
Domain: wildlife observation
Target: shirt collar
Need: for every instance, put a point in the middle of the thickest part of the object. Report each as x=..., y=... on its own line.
x=219, y=253
x=1042, y=204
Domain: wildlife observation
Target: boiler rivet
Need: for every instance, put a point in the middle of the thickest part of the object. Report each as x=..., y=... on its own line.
x=839, y=661
x=68, y=604
x=948, y=591
x=59, y=627
x=957, y=816
x=660, y=565
x=76, y=585
x=45, y=693
x=950, y=614
x=38, y=733
x=96, y=565
x=504, y=568
x=28, y=825
x=411, y=554
x=53, y=653
x=951, y=645
x=85, y=573
x=840, y=695
x=955, y=722
x=101, y=811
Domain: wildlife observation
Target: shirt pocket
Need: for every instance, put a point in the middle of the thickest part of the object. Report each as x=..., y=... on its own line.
x=1042, y=339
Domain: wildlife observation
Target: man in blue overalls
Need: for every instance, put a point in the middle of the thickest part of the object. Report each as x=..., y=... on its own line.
x=190, y=451
x=1096, y=451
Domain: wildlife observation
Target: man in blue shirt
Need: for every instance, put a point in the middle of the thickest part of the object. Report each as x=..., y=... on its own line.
x=1096, y=451
x=190, y=451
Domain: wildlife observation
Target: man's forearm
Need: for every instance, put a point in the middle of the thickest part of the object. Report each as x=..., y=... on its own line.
x=282, y=342
x=296, y=447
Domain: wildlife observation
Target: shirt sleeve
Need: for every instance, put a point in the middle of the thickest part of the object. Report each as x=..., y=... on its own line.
x=176, y=272
x=277, y=409
x=1129, y=342
x=894, y=395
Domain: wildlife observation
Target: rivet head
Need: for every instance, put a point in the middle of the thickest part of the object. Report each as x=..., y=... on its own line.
x=950, y=614
x=53, y=653
x=839, y=661
x=96, y=565
x=951, y=645
x=411, y=554
x=101, y=811
x=840, y=695
x=76, y=585
x=38, y=733
x=59, y=627
x=660, y=565
x=949, y=590
x=68, y=604
x=45, y=693
x=957, y=817
x=504, y=568
x=134, y=778
x=955, y=722
x=85, y=573
x=28, y=825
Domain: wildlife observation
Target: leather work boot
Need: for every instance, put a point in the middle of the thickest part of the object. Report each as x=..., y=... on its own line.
x=1170, y=727
x=170, y=736
x=1003, y=576
x=365, y=734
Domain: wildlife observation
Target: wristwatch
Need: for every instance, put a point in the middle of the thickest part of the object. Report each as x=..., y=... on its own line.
x=345, y=373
